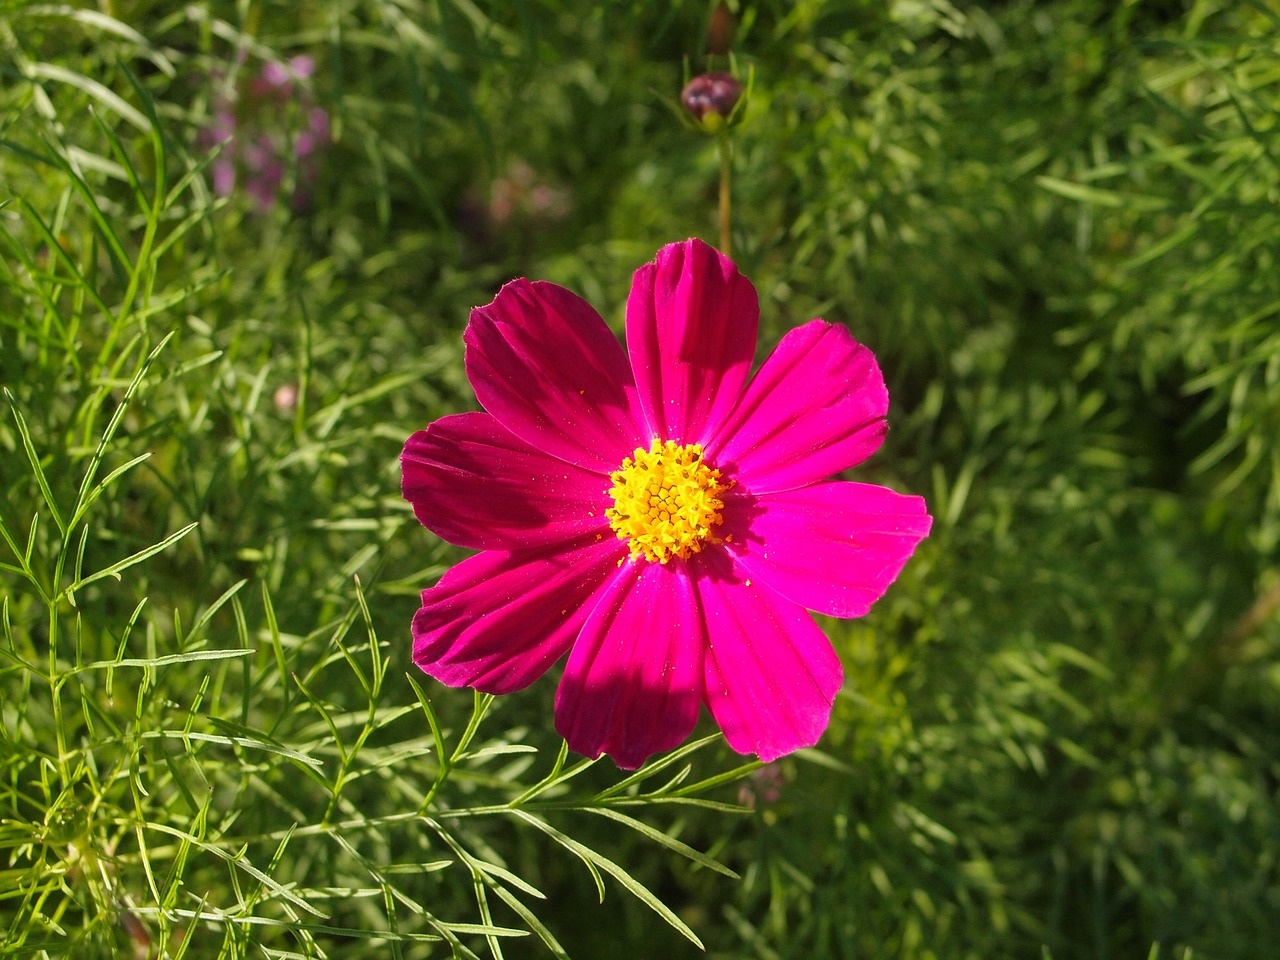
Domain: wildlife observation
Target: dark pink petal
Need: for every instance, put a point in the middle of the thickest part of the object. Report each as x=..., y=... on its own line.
x=478, y=485
x=814, y=408
x=497, y=620
x=275, y=74
x=691, y=330
x=633, y=684
x=263, y=189
x=771, y=675
x=545, y=365
x=302, y=66
x=318, y=122
x=224, y=175
x=832, y=547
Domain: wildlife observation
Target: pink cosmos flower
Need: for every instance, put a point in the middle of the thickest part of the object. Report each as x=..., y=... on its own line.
x=665, y=521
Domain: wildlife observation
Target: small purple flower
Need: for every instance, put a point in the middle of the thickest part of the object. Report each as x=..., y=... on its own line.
x=285, y=398
x=519, y=194
x=316, y=136
x=302, y=66
x=254, y=125
x=763, y=788
x=273, y=75
x=265, y=171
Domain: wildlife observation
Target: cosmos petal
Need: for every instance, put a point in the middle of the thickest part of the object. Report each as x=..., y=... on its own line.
x=498, y=620
x=832, y=547
x=814, y=408
x=633, y=683
x=691, y=331
x=546, y=366
x=771, y=674
x=476, y=484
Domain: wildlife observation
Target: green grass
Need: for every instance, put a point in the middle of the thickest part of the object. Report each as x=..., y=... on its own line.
x=1055, y=224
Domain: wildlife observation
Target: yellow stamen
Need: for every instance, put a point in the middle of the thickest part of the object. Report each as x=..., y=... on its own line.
x=666, y=501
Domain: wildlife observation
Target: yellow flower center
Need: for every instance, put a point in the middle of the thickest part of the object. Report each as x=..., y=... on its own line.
x=666, y=501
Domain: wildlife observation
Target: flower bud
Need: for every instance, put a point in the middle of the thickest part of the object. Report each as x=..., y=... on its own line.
x=710, y=98
x=720, y=31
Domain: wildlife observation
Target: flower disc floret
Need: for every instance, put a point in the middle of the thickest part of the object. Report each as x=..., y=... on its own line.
x=666, y=501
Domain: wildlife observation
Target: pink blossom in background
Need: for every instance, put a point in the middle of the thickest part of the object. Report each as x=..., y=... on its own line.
x=519, y=193
x=277, y=78
x=763, y=788
x=285, y=398
x=665, y=520
x=316, y=134
x=223, y=169
x=264, y=170
x=256, y=124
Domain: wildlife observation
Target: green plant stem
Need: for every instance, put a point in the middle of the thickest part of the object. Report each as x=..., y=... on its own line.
x=725, y=145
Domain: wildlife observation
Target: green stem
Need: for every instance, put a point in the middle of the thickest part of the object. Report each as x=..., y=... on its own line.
x=725, y=146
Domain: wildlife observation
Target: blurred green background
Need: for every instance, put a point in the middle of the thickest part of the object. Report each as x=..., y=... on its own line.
x=1057, y=225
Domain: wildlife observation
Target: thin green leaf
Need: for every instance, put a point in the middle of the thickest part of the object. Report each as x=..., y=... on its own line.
x=33, y=459
x=250, y=743
x=1102, y=198
x=95, y=90
x=114, y=569
x=649, y=769
x=241, y=864
x=595, y=860
x=671, y=843
x=86, y=484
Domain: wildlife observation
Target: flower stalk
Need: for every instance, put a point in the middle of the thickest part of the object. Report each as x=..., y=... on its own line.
x=725, y=145
x=713, y=103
